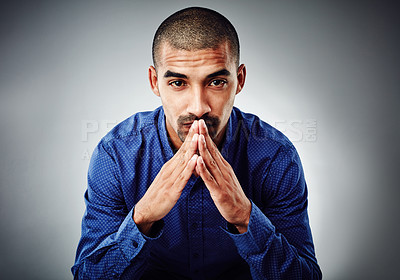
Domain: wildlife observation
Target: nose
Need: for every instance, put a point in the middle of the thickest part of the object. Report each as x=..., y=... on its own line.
x=198, y=105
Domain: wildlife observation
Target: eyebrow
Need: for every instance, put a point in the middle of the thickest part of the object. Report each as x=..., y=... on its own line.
x=222, y=72
x=174, y=74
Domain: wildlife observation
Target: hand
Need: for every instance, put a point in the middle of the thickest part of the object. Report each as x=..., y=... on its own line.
x=221, y=181
x=167, y=187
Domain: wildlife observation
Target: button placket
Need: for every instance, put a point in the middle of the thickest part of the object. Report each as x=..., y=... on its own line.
x=195, y=230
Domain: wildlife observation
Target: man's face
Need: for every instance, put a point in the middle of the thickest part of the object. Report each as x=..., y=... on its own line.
x=196, y=85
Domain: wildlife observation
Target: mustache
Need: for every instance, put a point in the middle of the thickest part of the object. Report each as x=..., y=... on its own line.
x=210, y=120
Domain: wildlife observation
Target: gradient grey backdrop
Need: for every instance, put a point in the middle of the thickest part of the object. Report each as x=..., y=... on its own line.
x=69, y=66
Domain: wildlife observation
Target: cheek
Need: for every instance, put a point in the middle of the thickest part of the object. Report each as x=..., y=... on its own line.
x=176, y=102
x=226, y=109
x=225, y=103
x=172, y=108
x=173, y=105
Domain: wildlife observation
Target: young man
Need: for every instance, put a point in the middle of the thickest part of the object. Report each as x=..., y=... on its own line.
x=196, y=189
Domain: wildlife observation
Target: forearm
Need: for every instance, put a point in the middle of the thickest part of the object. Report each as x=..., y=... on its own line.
x=281, y=260
x=109, y=264
x=270, y=255
x=122, y=252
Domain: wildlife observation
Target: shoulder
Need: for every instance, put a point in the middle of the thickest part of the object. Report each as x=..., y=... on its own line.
x=261, y=135
x=133, y=127
x=271, y=155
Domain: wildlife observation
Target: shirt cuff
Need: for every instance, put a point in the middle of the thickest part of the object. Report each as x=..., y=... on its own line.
x=259, y=232
x=132, y=241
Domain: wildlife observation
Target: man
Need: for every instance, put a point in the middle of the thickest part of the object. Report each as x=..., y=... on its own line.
x=196, y=189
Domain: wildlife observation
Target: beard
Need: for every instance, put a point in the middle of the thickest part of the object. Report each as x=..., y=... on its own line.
x=184, y=122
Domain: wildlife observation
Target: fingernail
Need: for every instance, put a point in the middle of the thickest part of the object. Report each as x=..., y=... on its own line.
x=203, y=139
x=194, y=157
x=194, y=138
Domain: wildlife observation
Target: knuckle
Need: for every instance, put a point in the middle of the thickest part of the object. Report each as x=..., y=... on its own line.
x=227, y=184
x=181, y=176
x=221, y=196
x=164, y=167
x=164, y=174
x=167, y=183
x=214, y=152
x=182, y=159
x=169, y=195
x=163, y=177
x=224, y=162
x=182, y=150
x=176, y=155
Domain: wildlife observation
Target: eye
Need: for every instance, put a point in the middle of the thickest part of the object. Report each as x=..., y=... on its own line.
x=177, y=83
x=217, y=83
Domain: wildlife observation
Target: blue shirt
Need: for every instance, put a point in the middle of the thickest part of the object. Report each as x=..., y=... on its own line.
x=193, y=241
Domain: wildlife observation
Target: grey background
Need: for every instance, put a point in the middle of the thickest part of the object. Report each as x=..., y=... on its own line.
x=67, y=64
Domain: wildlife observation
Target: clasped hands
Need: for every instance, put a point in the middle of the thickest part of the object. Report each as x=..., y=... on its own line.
x=199, y=155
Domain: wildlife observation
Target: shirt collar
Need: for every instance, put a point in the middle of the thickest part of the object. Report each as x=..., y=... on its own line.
x=166, y=148
x=228, y=144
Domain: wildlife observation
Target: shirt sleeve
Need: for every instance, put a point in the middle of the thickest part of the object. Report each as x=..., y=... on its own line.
x=278, y=243
x=111, y=245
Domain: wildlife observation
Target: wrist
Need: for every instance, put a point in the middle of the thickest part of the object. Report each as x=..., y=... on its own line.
x=142, y=224
x=243, y=225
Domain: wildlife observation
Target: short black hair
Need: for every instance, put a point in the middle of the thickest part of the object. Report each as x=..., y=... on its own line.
x=196, y=28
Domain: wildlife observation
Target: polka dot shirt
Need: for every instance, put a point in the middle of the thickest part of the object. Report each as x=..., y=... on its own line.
x=193, y=241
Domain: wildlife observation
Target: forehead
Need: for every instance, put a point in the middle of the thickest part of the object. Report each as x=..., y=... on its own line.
x=171, y=58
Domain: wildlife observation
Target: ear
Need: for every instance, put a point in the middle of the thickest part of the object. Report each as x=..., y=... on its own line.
x=153, y=80
x=241, y=76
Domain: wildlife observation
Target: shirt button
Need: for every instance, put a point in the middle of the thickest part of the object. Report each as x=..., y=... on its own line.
x=134, y=243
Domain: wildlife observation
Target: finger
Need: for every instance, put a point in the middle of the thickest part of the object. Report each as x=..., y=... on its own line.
x=209, y=160
x=192, y=131
x=184, y=176
x=181, y=157
x=213, y=149
x=203, y=127
x=180, y=163
x=208, y=178
x=193, y=145
x=188, y=139
x=190, y=143
x=197, y=171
